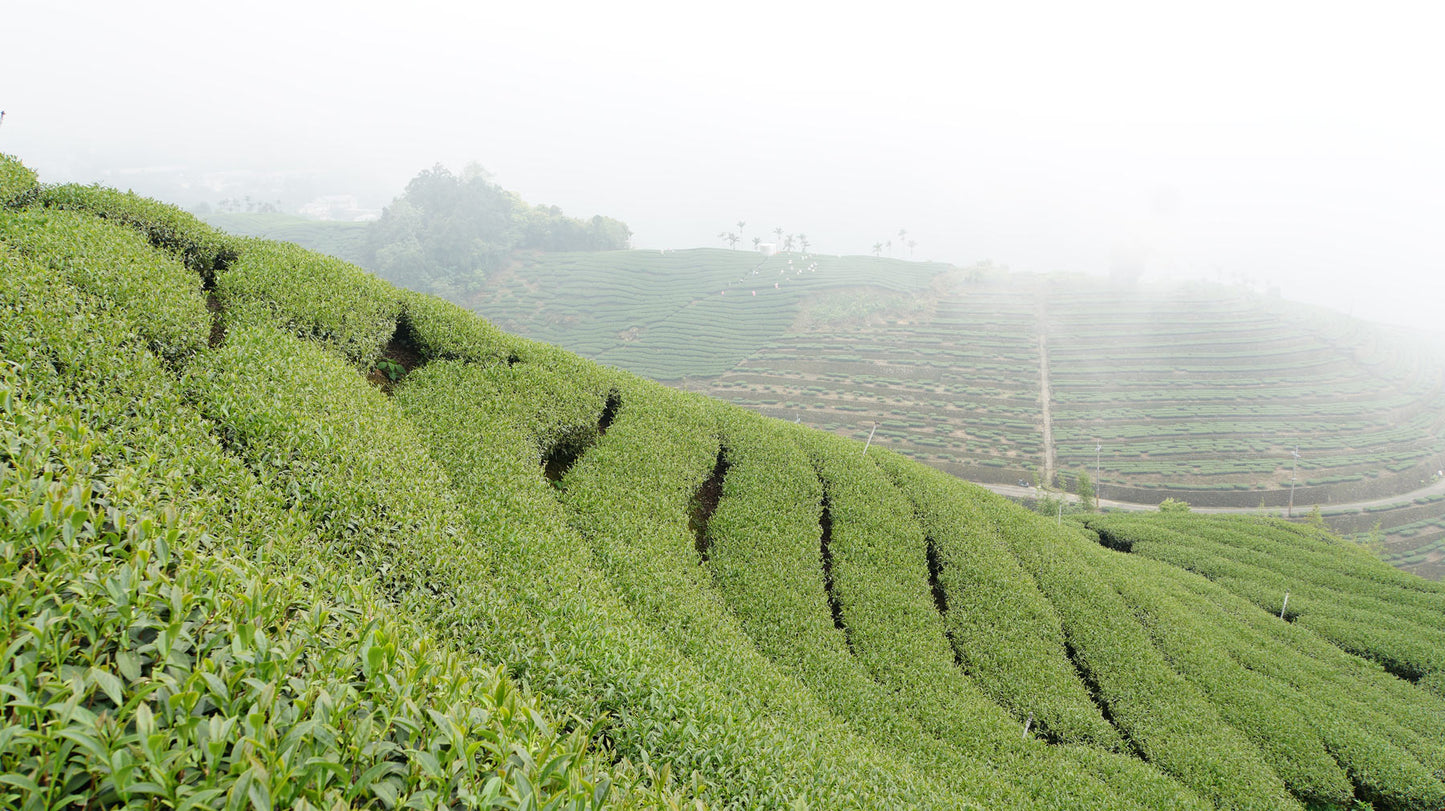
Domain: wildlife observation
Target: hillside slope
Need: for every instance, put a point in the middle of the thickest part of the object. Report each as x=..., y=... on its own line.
x=1198, y=392
x=278, y=533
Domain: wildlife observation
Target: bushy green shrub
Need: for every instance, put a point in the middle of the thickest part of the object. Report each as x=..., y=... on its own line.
x=203, y=249
x=17, y=181
x=311, y=295
x=153, y=291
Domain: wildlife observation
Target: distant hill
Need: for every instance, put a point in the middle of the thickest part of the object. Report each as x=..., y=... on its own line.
x=277, y=534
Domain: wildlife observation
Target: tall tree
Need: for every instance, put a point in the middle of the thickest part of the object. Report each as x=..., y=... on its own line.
x=779, y=232
x=803, y=242
x=1084, y=487
x=878, y=249
x=757, y=243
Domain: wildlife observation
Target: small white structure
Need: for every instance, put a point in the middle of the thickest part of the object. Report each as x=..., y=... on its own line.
x=767, y=248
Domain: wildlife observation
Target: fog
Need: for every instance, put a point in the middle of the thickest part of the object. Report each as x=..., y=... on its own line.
x=1284, y=144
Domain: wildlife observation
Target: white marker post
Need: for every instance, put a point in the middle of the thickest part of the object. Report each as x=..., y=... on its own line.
x=1284, y=605
x=870, y=439
x=1027, y=724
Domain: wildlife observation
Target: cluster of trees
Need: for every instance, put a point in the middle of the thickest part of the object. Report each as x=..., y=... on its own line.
x=448, y=232
x=903, y=242
x=232, y=205
x=785, y=242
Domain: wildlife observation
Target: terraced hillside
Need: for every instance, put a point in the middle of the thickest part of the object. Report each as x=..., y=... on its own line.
x=1198, y=392
x=278, y=534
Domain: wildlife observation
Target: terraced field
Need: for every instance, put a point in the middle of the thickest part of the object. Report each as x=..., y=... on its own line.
x=1198, y=389
x=954, y=383
x=274, y=533
x=1201, y=393
x=676, y=314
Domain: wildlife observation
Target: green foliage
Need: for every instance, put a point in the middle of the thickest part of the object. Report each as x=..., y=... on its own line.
x=156, y=657
x=201, y=247
x=114, y=263
x=391, y=369
x=1004, y=631
x=17, y=181
x=316, y=296
x=1344, y=595
x=1084, y=488
x=1172, y=505
x=447, y=232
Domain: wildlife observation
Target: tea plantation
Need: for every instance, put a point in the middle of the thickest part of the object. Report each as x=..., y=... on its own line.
x=1198, y=392
x=274, y=533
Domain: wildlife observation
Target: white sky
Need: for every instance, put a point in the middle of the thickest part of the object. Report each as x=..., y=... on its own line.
x=1299, y=144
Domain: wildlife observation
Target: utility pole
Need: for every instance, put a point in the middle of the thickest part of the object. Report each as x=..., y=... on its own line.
x=1293, y=475
x=1098, y=482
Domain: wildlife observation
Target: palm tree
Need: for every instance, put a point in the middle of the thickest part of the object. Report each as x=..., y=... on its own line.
x=757, y=243
x=779, y=232
x=877, y=249
x=911, y=243
x=803, y=242
x=890, y=247
x=741, y=225
x=732, y=239
x=902, y=236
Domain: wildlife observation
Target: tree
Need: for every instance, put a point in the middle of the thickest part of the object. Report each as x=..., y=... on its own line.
x=732, y=239
x=1170, y=505
x=788, y=243
x=1084, y=487
x=878, y=249
x=911, y=243
x=779, y=232
x=741, y=225
x=447, y=231
x=757, y=243
x=803, y=242
x=1373, y=541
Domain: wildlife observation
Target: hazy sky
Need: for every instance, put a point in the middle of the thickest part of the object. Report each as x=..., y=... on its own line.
x=1299, y=144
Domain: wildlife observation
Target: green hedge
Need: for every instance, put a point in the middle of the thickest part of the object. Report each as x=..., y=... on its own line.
x=1008, y=637
x=312, y=295
x=157, y=295
x=203, y=249
x=1173, y=725
x=17, y=181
